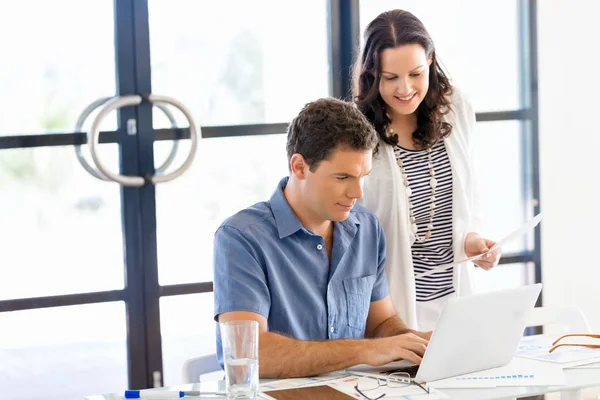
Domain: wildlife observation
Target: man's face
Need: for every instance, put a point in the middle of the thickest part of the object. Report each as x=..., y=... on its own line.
x=331, y=190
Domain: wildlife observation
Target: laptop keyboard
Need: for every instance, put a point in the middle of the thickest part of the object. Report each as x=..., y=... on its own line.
x=411, y=369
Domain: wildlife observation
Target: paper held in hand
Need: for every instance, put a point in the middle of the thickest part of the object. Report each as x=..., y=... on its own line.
x=526, y=227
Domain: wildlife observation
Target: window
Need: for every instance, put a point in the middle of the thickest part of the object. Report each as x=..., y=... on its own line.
x=139, y=259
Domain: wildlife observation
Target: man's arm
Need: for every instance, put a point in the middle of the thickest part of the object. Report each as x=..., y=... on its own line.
x=284, y=357
x=383, y=321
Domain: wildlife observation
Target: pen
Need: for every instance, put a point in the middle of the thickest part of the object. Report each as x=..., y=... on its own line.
x=166, y=394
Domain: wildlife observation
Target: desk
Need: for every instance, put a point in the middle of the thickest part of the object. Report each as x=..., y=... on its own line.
x=577, y=379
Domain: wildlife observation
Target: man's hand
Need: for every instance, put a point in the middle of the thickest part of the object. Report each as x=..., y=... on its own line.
x=407, y=346
x=475, y=244
x=423, y=335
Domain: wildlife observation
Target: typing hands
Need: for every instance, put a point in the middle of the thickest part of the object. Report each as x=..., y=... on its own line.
x=408, y=346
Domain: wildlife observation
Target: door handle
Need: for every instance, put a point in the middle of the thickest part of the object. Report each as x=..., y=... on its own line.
x=133, y=100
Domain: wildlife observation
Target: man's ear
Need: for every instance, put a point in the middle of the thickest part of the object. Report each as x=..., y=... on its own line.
x=299, y=166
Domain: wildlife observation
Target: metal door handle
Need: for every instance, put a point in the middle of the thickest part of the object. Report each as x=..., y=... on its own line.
x=133, y=100
x=94, y=105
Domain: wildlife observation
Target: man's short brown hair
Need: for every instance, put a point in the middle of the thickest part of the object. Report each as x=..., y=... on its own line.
x=325, y=125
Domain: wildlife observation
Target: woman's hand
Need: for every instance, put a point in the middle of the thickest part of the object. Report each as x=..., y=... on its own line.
x=475, y=244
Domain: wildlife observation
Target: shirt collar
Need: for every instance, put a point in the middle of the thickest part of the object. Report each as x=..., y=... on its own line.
x=288, y=223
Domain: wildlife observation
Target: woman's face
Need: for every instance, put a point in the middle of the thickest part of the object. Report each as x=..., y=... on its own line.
x=404, y=78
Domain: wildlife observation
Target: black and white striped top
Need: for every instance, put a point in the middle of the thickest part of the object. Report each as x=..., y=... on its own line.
x=437, y=250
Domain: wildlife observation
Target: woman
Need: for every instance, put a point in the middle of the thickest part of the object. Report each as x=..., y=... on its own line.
x=422, y=185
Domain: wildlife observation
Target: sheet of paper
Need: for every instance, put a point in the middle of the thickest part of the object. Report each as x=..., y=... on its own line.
x=300, y=382
x=523, y=229
x=414, y=392
x=593, y=365
x=537, y=348
x=519, y=372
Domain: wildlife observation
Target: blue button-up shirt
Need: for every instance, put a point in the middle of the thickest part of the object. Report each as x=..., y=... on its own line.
x=266, y=262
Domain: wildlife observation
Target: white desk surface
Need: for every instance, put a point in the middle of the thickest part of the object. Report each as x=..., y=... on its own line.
x=576, y=379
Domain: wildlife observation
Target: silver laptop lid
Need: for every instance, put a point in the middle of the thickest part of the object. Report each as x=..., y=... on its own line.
x=477, y=332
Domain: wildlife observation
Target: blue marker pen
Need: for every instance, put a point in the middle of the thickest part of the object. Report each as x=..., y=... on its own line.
x=153, y=394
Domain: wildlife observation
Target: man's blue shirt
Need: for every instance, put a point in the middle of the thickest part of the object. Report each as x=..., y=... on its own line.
x=266, y=262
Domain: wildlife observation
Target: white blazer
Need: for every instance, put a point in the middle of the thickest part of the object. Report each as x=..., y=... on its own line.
x=385, y=195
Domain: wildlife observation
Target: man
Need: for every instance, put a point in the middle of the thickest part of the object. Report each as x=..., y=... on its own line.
x=307, y=264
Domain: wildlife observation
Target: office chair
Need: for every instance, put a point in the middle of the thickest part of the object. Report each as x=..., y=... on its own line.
x=193, y=368
x=571, y=319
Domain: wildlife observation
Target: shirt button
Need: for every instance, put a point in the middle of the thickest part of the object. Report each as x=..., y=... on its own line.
x=319, y=247
x=332, y=329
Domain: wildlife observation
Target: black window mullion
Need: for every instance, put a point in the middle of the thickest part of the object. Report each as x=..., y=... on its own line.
x=527, y=12
x=61, y=300
x=186, y=288
x=242, y=130
x=224, y=131
x=503, y=115
x=80, y=138
x=518, y=258
x=147, y=193
x=130, y=200
x=344, y=38
x=53, y=139
x=534, y=130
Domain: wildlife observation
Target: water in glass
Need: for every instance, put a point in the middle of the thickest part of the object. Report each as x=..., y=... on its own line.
x=241, y=377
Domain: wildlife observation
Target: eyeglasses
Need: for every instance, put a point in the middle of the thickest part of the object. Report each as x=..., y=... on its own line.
x=590, y=346
x=393, y=380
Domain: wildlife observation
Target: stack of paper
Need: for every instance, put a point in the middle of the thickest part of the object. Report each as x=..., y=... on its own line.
x=593, y=365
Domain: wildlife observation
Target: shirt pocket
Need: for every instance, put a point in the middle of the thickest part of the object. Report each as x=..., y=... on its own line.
x=358, y=298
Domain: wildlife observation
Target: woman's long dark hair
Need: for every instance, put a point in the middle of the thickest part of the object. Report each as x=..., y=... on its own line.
x=389, y=30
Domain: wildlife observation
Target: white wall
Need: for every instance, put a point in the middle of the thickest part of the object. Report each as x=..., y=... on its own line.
x=569, y=97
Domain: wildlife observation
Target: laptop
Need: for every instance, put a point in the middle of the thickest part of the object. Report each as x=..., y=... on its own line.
x=472, y=334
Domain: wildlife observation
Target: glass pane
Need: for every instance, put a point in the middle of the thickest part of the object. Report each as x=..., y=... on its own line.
x=184, y=337
x=500, y=180
x=227, y=176
x=60, y=58
x=261, y=69
x=63, y=353
x=504, y=276
x=476, y=41
x=60, y=225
